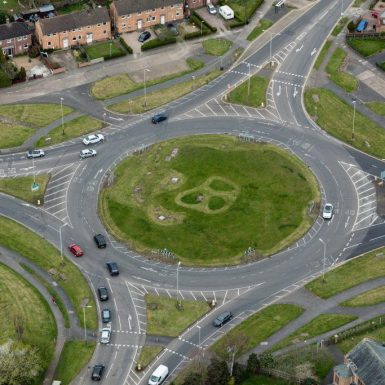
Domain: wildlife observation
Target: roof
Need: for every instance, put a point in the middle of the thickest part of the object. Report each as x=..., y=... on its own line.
x=343, y=371
x=46, y=8
x=74, y=20
x=369, y=360
x=126, y=7
x=11, y=30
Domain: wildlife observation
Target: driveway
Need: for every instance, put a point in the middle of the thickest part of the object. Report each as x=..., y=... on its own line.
x=214, y=20
x=131, y=38
x=65, y=59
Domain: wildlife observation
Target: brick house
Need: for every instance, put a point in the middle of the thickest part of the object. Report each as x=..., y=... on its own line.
x=77, y=28
x=15, y=38
x=363, y=365
x=133, y=15
x=193, y=4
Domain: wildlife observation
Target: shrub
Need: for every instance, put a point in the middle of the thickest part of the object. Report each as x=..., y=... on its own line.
x=157, y=43
x=352, y=26
x=193, y=35
x=5, y=80
x=114, y=55
x=33, y=51
x=125, y=45
x=236, y=23
x=22, y=74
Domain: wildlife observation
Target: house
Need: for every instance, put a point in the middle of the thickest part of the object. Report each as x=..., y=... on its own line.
x=193, y=4
x=15, y=38
x=133, y=15
x=78, y=28
x=363, y=365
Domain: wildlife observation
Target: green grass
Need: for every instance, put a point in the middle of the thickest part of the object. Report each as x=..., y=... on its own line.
x=262, y=325
x=20, y=187
x=381, y=66
x=104, y=49
x=368, y=298
x=377, y=107
x=342, y=79
x=20, y=299
x=317, y=326
x=357, y=3
x=217, y=46
x=121, y=84
x=23, y=241
x=69, y=8
x=163, y=96
x=244, y=9
x=148, y=353
x=164, y=319
x=258, y=87
x=264, y=24
x=72, y=129
x=74, y=356
x=366, y=47
x=143, y=190
x=13, y=135
x=339, y=27
x=352, y=273
x=11, y=7
x=336, y=117
x=259, y=379
x=322, y=54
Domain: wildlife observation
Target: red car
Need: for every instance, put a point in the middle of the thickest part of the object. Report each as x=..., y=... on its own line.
x=75, y=250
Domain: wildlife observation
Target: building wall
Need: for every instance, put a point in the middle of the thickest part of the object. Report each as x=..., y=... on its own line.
x=342, y=381
x=19, y=45
x=75, y=37
x=145, y=19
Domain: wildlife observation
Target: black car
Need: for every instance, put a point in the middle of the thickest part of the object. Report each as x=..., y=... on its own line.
x=159, y=118
x=97, y=372
x=112, y=268
x=173, y=29
x=222, y=319
x=106, y=315
x=100, y=241
x=145, y=35
x=103, y=293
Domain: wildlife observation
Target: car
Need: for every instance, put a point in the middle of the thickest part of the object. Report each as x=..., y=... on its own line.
x=145, y=35
x=87, y=153
x=159, y=118
x=35, y=154
x=100, y=241
x=93, y=139
x=75, y=250
x=211, y=9
x=173, y=29
x=97, y=372
x=112, y=268
x=327, y=212
x=105, y=335
x=106, y=315
x=223, y=318
x=103, y=293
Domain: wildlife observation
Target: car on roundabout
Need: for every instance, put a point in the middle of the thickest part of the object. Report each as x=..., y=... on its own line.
x=75, y=250
x=223, y=318
x=97, y=372
x=158, y=118
x=93, y=139
x=327, y=212
x=35, y=154
x=106, y=315
x=103, y=293
x=105, y=336
x=87, y=153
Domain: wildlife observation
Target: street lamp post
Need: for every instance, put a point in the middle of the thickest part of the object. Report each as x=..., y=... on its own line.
x=248, y=87
x=84, y=321
x=110, y=48
x=199, y=335
x=342, y=7
x=354, y=117
x=177, y=281
x=324, y=259
x=193, y=79
x=61, y=244
x=104, y=117
x=62, y=115
x=270, y=44
x=202, y=27
x=144, y=81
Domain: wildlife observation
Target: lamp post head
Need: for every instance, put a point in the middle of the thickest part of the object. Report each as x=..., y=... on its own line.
x=179, y=263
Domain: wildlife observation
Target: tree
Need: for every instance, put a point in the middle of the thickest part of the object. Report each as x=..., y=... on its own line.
x=239, y=373
x=193, y=378
x=2, y=57
x=352, y=26
x=3, y=17
x=217, y=373
x=253, y=364
x=22, y=74
x=5, y=80
x=267, y=360
x=309, y=381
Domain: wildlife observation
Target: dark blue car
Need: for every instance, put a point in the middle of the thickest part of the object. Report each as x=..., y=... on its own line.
x=159, y=118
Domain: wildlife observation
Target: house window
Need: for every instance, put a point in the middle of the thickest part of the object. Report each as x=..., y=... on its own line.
x=49, y=43
x=79, y=38
x=104, y=23
x=124, y=25
x=99, y=25
x=54, y=34
x=104, y=31
x=25, y=46
x=153, y=10
x=74, y=38
x=19, y=38
x=177, y=14
x=161, y=7
x=123, y=17
x=25, y=37
x=153, y=18
x=172, y=6
x=139, y=13
x=9, y=41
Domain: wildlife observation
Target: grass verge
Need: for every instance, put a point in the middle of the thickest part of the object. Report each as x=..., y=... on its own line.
x=368, y=298
x=366, y=47
x=72, y=129
x=258, y=87
x=148, y=353
x=106, y=50
x=341, y=24
x=163, y=96
x=20, y=187
x=25, y=242
x=342, y=79
x=216, y=47
x=74, y=356
x=259, y=379
x=322, y=54
x=261, y=325
x=264, y=24
x=164, y=319
x=121, y=84
x=377, y=107
x=13, y=135
x=335, y=116
x=317, y=326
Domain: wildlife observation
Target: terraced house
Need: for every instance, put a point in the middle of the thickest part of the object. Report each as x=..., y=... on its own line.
x=15, y=38
x=77, y=28
x=133, y=15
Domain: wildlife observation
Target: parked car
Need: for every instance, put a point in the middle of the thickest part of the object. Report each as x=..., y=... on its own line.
x=97, y=372
x=211, y=9
x=105, y=334
x=35, y=154
x=112, y=268
x=75, y=250
x=100, y=241
x=106, y=315
x=158, y=118
x=93, y=139
x=145, y=35
x=223, y=318
x=87, y=153
x=159, y=375
x=327, y=212
x=173, y=29
x=103, y=293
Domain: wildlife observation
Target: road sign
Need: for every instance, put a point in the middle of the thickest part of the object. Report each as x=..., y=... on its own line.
x=35, y=186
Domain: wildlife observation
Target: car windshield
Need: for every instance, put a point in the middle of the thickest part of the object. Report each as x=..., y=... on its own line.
x=106, y=313
x=328, y=208
x=155, y=378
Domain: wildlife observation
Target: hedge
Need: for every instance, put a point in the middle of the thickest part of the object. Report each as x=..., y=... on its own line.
x=196, y=19
x=114, y=55
x=5, y=81
x=157, y=43
x=125, y=45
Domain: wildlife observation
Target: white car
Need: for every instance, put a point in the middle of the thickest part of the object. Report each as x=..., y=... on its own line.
x=327, y=212
x=35, y=154
x=93, y=138
x=106, y=334
x=87, y=153
x=211, y=9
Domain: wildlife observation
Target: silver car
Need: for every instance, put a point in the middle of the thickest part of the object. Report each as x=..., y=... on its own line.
x=35, y=154
x=93, y=138
x=87, y=153
x=327, y=212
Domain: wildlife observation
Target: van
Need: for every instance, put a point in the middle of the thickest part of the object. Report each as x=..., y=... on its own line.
x=226, y=12
x=159, y=375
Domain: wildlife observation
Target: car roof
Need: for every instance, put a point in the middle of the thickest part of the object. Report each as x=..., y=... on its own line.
x=102, y=288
